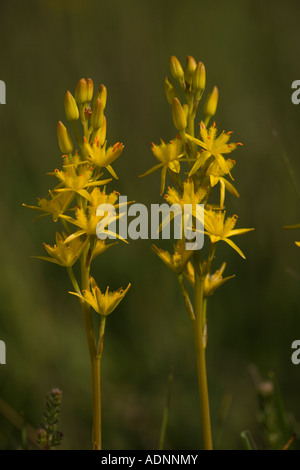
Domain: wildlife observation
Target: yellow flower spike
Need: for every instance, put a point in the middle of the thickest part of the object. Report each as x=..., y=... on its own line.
x=97, y=118
x=218, y=229
x=297, y=243
x=64, y=254
x=176, y=70
x=168, y=155
x=169, y=91
x=213, y=146
x=199, y=79
x=178, y=261
x=90, y=89
x=104, y=304
x=101, y=95
x=71, y=108
x=189, y=70
x=101, y=133
x=64, y=139
x=81, y=91
x=210, y=106
x=179, y=116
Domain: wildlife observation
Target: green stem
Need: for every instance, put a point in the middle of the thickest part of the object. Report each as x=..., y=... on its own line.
x=198, y=326
x=96, y=378
x=95, y=359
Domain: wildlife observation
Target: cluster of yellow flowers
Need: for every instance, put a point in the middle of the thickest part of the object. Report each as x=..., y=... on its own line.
x=73, y=202
x=204, y=152
x=79, y=180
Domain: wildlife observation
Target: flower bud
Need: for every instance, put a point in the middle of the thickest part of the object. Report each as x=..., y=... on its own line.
x=190, y=68
x=179, y=117
x=185, y=110
x=101, y=95
x=101, y=134
x=176, y=69
x=64, y=139
x=169, y=90
x=90, y=89
x=210, y=105
x=199, y=79
x=81, y=91
x=97, y=115
x=71, y=108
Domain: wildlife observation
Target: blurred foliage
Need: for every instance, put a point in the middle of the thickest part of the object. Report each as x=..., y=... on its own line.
x=249, y=49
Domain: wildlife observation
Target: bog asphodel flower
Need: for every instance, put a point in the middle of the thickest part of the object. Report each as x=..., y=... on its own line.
x=104, y=304
x=55, y=206
x=101, y=157
x=211, y=281
x=212, y=146
x=87, y=219
x=77, y=177
x=62, y=253
x=168, y=155
x=178, y=261
x=216, y=175
x=74, y=203
x=217, y=228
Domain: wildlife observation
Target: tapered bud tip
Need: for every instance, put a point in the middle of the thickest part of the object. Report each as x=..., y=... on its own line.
x=211, y=103
x=179, y=117
x=101, y=133
x=64, y=139
x=190, y=68
x=97, y=114
x=169, y=90
x=81, y=91
x=90, y=89
x=176, y=69
x=199, y=78
x=102, y=95
x=71, y=108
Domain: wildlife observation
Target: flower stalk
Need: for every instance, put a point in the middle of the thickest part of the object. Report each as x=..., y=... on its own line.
x=80, y=183
x=205, y=153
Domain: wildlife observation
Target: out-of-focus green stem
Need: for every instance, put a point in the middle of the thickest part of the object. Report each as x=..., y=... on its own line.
x=95, y=359
x=200, y=354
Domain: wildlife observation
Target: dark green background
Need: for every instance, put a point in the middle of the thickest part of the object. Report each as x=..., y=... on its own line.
x=250, y=50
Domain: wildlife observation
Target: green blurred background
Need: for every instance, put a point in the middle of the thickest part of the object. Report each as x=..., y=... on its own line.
x=250, y=52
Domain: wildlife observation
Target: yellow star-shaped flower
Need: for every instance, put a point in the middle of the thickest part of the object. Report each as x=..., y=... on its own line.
x=104, y=304
x=168, y=155
x=212, y=146
x=217, y=228
x=62, y=253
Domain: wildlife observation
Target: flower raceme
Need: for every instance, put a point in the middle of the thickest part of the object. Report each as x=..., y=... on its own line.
x=204, y=154
x=72, y=203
